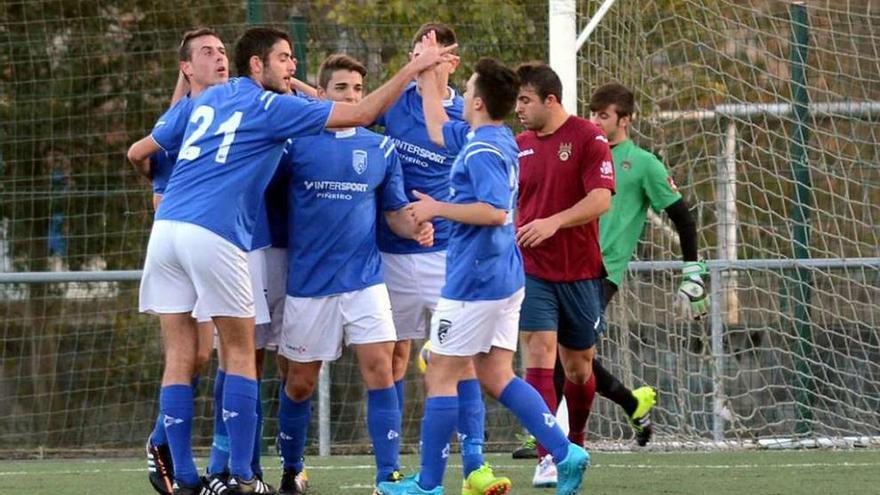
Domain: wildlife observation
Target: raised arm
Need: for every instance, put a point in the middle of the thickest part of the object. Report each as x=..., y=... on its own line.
x=181, y=89
x=432, y=105
x=303, y=87
x=377, y=102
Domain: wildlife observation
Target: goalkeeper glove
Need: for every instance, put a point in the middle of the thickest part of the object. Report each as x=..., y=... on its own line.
x=692, y=295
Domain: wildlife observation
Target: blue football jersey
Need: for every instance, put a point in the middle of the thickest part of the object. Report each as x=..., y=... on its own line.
x=231, y=147
x=162, y=162
x=339, y=183
x=161, y=165
x=425, y=165
x=276, y=206
x=483, y=263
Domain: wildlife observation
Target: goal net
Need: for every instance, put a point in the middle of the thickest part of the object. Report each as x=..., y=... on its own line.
x=766, y=115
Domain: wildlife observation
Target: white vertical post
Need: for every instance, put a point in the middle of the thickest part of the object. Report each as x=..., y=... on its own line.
x=324, y=410
x=716, y=325
x=563, y=51
x=727, y=235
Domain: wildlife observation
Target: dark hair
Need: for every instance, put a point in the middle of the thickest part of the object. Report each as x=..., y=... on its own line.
x=445, y=34
x=335, y=62
x=542, y=78
x=497, y=85
x=614, y=94
x=256, y=41
x=184, y=53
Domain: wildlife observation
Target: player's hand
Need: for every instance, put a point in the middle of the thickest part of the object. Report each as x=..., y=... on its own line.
x=424, y=209
x=424, y=234
x=432, y=53
x=692, y=296
x=183, y=81
x=537, y=231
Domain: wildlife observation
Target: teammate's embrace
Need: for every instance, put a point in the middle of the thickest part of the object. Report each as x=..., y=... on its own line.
x=230, y=148
x=339, y=181
x=477, y=316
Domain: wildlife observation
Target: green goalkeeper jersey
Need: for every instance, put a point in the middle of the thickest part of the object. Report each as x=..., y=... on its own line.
x=641, y=181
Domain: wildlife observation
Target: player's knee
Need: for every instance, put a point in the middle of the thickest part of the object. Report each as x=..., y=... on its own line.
x=399, y=366
x=579, y=371
x=202, y=360
x=539, y=347
x=493, y=381
x=300, y=388
x=377, y=373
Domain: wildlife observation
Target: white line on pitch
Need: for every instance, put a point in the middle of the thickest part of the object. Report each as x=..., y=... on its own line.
x=504, y=466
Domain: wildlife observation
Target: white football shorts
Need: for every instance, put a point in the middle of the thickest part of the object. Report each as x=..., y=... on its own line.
x=467, y=328
x=414, y=282
x=187, y=263
x=315, y=328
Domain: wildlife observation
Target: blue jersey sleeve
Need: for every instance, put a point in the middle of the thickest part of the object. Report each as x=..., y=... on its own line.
x=492, y=179
x=455, y=135
x=393, y=195
x=169, y=129
x=292, y=116
x=161, y=165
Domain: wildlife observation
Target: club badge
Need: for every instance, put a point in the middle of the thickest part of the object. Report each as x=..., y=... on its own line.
x=564, y=151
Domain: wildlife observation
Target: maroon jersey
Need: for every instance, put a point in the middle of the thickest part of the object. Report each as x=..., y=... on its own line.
x=557, y=171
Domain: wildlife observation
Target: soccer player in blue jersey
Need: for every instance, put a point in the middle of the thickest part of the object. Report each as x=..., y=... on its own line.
x=415, y=274
x=478, y=314
x=338, y=182
x=202, y=63
x=230, y=146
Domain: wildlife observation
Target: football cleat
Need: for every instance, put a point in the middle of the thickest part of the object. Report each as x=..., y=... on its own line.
x=483, y=481
x=293, y=483
x=570, y=470
x=255, y=486
x=527, y=449
x=545, y=473
x=640, y=420
x=160, y=468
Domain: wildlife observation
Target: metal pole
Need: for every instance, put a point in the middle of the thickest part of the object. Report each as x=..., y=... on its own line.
x=727, y=235
x=324, y=411
x=801, y=218
x=254, y=11
x=717, y=335
x=563, y=54
x=299, y=30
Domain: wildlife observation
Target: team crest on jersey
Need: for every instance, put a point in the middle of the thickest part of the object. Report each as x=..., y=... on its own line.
x=626, y=165
x=359, y=161
x=564, y=151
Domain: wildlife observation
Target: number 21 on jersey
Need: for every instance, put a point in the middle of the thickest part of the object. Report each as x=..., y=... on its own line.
x=203, y=117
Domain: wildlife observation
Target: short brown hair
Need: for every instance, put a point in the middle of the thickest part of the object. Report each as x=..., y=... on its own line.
x=542, y=78
x=256, y=41
x=614, y=94
x=185, y=50
x=335, y=62
x=445, y=34
x=497, y=85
